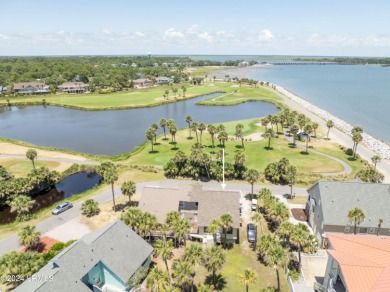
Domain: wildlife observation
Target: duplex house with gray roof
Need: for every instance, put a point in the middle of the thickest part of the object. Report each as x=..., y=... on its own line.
x=329, y=202
x=100, y=261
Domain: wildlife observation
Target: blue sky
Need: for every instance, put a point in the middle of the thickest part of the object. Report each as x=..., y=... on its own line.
x=273, y=27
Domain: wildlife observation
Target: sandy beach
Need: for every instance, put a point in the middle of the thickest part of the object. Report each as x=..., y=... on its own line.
x=341, y=131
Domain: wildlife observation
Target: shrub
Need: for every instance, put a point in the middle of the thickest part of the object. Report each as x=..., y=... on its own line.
x=349, y=152
x=90, y=208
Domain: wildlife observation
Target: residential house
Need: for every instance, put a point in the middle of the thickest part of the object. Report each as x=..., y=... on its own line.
x=100, y=261
x=163, y=80
x=357, y=263
x=73, y=87
x=3, y=89
x=330, y=201
x=142, y=83
x=197, y=205
x=31, y=88
x=243, y=64
x=134, y=65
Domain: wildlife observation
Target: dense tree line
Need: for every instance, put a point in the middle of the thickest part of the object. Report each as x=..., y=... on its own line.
x=98, y=71
x=347, y=60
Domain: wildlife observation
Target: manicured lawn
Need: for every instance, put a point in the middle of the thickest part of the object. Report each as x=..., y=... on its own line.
x=21, y=168
x=257, y=154
x=238, y=258
x=143, y=97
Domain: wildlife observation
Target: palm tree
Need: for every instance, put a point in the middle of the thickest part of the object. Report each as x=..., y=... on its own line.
x=299, y=237
x=147, y=223
x=29, y=236
x=164, y=249
x=266, y=242
x=308, y=130
x=183, y=273
x=213, y=260
x=128, y=189
x=90, y=207
x=290, y=177
x=226, y=223
x=276, y=257
x=194, y=128
x=285, y=229
x=268, y=134
x=212, y=131
x=264, y=123
x=184, y=90
x=279, y=212
x=223, y=137
x=240, y=135
x=252, y=176
x=356, y=216
x=21, y=204
x=173, y=131
x=188, y=121
x=294, y=129
x=163, y=124
x=214, y=227
x=275, y=119
x=315, y=127
x=109, y=173
x=330, y=125
x=380, y=221
x=376, y=159
x=201, y=128
x=32, y=154
x=204, y=288
x=167, y=93
x=158, y=280
x=171, y=219
x=150, y=135
x=356, y=138
x=181, y=228
x=248, y=277
x=132, y=217
x=258, y=218
x=193, y=254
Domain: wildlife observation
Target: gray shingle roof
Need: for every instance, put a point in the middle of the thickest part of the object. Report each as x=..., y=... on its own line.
x=337, y=198
x=115, y=245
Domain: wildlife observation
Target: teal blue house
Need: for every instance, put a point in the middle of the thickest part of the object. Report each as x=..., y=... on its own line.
x=104, y=260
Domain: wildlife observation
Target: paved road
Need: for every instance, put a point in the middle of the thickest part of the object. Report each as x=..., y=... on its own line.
x=11, y=243
x=347, y=168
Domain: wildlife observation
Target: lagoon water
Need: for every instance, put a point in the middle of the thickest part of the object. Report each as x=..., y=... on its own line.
x=116, y=131
x=359, y=94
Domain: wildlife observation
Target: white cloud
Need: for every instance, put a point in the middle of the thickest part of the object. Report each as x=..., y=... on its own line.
x=348, y=41
x=4, y=37
x=106, y=31
x=266, y=35
x=172, y=34
x=206, y=36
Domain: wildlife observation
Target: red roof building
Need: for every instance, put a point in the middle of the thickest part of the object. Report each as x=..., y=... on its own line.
x=358, y=263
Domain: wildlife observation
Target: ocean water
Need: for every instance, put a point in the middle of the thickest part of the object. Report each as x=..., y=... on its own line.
x=359, y=94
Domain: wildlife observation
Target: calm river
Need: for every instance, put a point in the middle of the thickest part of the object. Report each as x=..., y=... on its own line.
x=116, y=131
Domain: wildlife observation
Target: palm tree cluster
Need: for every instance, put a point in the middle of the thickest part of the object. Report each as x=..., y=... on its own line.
x=200, y=164
x=357, y=137
x=274, y=211
x=281, y=172
x=183, y=268
x=18, y=192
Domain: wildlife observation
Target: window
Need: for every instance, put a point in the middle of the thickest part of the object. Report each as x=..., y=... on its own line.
x=363, y=230
x=371, y=230
x=346, y=229
x=229, y=231
x=206, y=229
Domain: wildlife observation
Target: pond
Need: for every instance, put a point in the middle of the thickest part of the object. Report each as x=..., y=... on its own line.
x=116, y=131
x=72, y=185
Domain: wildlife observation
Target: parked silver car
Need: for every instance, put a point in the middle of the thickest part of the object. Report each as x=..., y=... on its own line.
x=61, y=208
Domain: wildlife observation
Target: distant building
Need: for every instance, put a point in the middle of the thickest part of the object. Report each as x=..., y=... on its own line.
x=31, y=88
x=73, y=87
x=163, y=80
x=155, y=64
x=3, y=89
x=100, y=261
x=197, y=205
x=357, y=263
x=243, y=64
x=329, y=202
x=134, y=65
x=142, y=83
